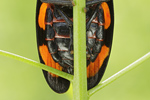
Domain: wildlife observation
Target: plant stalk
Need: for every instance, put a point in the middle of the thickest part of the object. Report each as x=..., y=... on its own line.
x=37, y=64
x=119, y=74
x=79, y=39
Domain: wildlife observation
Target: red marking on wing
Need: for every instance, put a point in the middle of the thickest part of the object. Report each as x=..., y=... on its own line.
x=48, y=60
x=107, y=18
x=94, y=67
x=42, y=14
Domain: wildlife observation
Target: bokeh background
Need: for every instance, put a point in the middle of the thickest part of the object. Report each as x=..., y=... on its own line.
x=20, y=81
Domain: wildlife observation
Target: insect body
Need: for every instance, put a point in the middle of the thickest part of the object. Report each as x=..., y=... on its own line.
x=54, y=24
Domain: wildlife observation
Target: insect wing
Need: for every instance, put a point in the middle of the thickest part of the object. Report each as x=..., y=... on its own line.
x=96, y=69
x=58, y=84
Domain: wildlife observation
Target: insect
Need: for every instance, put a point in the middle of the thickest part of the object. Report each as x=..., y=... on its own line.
x=54, y=28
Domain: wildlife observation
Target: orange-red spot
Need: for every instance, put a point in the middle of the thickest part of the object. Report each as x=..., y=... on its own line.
x=48, y=60
x=88, y=73
x=92, y=73
x=42, y=14
x=52, y=64
x=107, y=17
x=103, y=54
x=57, y=66
x=94, y=67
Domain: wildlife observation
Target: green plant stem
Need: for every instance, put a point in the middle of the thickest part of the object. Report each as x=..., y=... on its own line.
x=37, y=64
x=79, y=37
x=76, y=86
x=119, y=74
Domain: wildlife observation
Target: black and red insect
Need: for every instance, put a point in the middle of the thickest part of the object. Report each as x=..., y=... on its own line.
x=54, y=26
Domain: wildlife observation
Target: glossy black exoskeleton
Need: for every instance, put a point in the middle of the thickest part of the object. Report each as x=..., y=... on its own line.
x=54, y=23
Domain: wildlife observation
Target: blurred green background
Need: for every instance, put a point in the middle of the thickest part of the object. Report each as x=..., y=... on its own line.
x=20, y=81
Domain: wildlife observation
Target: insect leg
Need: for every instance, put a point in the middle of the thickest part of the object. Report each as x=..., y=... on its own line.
x=88, y=26
x=71, y=39
x=92, y=17
x=65, y=17
x=50, y=37
x=99, y=35
x=69, y=23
